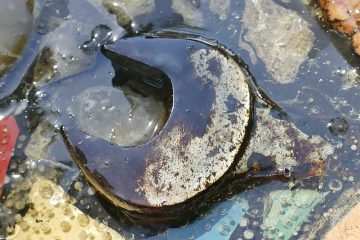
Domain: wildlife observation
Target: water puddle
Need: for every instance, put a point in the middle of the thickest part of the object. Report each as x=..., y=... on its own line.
x=297, y=173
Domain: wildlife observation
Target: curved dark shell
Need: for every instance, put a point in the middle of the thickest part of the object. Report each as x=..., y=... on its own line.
x=210, y=102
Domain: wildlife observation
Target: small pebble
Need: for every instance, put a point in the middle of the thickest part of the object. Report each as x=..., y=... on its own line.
x=78, y=186
x=9, y=230
x=91, y=191
x=244, y=222
x=338, y=126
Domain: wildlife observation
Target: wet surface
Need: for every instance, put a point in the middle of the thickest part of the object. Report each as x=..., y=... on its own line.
x=310, y=72
x=344, y=17
x=209, y=119
x=16, y=23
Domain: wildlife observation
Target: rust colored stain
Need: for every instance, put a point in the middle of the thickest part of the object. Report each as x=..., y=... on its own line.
x=344, y=16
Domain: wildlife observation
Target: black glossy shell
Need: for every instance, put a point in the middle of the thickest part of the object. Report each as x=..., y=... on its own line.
x=210, y=104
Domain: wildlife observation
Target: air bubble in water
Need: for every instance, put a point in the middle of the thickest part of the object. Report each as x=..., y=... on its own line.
x=248, y=234
x=338, y=126
x=99, y=35
x=335, y=185
x=222, y=212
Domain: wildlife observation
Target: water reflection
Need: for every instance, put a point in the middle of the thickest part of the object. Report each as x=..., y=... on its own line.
x=321, y=97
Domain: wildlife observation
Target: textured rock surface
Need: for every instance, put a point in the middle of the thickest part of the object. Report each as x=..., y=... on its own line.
x=221, y=8
x=15, y=26
x=195, y=12
x=52, y=213
x=210, y=155
x=347, y=228
x=126, y=10
x=190, y=12
x=278, y=36
x=280, y=142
